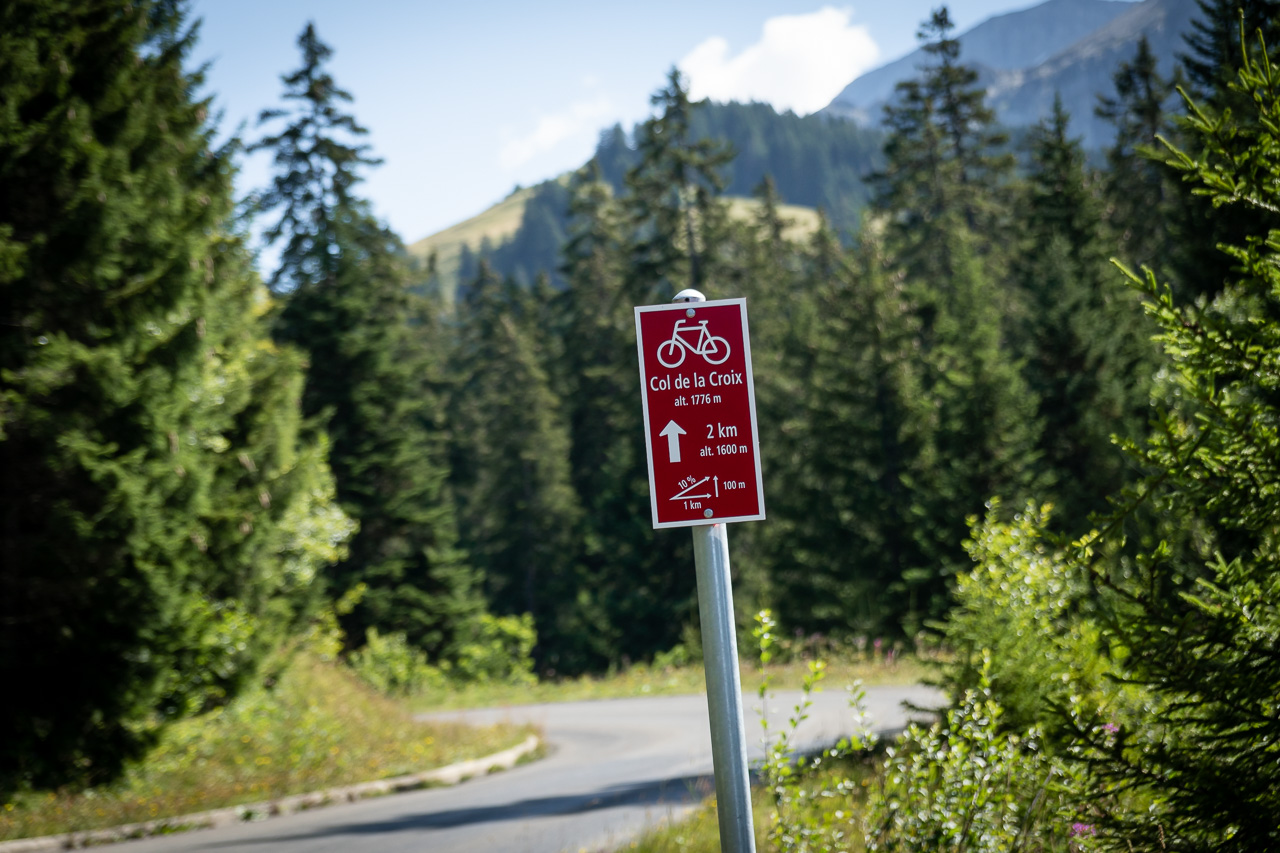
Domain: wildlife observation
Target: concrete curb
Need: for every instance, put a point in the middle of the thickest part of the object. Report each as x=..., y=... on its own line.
x=450, y=775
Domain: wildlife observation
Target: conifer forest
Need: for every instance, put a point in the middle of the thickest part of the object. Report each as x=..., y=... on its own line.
x=1017, y=401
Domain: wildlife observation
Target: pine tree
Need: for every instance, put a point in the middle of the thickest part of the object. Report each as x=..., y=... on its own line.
x=165, y=508
x=348, y=305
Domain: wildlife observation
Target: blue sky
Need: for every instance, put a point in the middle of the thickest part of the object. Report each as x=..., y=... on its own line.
x=466, y=100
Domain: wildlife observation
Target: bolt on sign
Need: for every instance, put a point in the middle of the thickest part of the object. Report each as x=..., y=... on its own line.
x=699, y=413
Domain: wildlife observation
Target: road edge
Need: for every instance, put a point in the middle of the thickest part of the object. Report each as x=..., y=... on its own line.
x=448, y=775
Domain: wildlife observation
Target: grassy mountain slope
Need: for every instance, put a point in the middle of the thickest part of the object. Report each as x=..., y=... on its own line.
x=496, y=224
x=499, y=224
x=815, y=163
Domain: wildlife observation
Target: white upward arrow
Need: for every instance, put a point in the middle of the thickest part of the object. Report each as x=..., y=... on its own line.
x=673, y=432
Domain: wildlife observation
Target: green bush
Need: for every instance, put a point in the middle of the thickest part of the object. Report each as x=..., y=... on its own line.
x=1022, y=603
x=394, y=667
x=963, y=784
x=810, y=811
x=500, y=648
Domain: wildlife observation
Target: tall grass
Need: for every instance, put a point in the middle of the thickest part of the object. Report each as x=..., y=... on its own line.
x=669, y=680
x=317, y=727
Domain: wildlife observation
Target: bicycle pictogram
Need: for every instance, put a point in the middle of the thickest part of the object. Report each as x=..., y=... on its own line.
x=713, y=348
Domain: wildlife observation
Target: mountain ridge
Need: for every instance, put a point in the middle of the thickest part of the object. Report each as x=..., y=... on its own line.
x=1079, y=71
x=1042, y=31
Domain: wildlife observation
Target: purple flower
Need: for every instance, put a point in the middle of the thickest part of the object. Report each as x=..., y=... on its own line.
x=1110, y=728
x=1082, y=830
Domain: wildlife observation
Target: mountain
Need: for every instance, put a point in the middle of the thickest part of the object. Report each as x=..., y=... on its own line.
x=816, y=164
x=1009, y=42
x=1085, y=69
x=494, y=232
x=491, y=227
x=1072, y=47
x=1023, y=58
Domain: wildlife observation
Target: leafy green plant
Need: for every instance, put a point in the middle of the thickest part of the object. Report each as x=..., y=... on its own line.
x=499, y=648
x=964, y=785
x=389, y=663
x=802, y=818
x=1019, y=618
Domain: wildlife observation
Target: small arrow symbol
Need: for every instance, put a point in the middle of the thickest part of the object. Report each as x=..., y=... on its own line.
x=685, y=494
x=673, y=432
x=717, y=485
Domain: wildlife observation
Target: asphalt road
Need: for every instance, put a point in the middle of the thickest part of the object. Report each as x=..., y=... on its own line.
x=614, y=767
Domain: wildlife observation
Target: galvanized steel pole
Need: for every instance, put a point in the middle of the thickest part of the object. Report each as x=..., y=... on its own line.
x=724, y=688
x=724, y=685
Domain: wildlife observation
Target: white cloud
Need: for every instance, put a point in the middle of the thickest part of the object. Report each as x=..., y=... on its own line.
x=800, y=63
x=550, y=131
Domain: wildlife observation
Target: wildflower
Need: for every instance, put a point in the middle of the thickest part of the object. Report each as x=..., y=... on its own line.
x=1083, y=830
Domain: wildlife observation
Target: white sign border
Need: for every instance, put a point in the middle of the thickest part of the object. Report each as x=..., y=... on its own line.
x=682, y=307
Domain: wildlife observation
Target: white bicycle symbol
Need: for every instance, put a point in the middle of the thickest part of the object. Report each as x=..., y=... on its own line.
x=713, y=348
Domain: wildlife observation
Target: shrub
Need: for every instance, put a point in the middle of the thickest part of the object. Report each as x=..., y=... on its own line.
x=394, y=667
x=962, y=784
x=500, y=648
x=1019, y=613
x=808, y=807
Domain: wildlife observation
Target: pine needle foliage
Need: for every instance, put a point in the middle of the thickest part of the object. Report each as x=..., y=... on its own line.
x=166, y=509
x=1200, y=611
x=372, y=379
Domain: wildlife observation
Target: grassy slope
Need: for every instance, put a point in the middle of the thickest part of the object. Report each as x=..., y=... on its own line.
x=498, y=223
x=501, y=221
x=318, y=727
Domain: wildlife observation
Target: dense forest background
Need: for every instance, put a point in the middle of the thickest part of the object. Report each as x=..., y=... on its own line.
x=198, y=464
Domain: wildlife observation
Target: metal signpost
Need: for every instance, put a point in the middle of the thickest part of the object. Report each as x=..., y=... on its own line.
x=704, y=471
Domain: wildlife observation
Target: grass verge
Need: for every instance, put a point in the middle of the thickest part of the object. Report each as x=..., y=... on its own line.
x=699, y=832
x=645, y=680
x=318, y=727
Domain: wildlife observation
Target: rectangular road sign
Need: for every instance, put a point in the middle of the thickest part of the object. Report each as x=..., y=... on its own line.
x=699, y=413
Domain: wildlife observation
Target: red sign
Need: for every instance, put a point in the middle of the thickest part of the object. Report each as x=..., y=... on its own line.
x=699, y=413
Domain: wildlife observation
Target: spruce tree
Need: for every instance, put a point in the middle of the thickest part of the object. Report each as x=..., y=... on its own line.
x=1085, y=348
x=944, y=157
x=1141, y=198
x=345, y=280
x=518, y=509
x=1213, y=57
x=770, y=270
x=1198, y=611
x=165, y=509
x=1216, y=43
x=639, y=591
x=944, y=206
x=675, y=214
x=847, y=493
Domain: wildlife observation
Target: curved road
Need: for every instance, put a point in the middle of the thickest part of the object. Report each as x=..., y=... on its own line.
x=613, y=767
